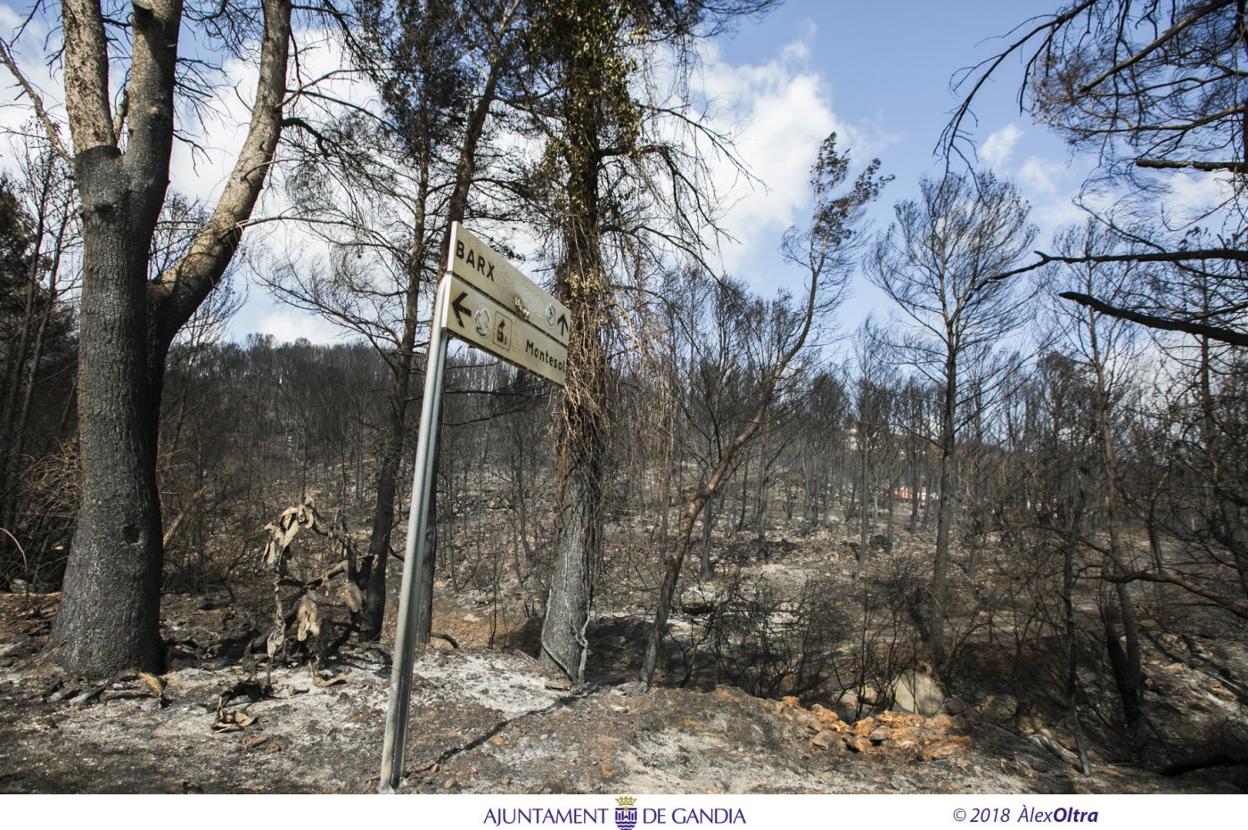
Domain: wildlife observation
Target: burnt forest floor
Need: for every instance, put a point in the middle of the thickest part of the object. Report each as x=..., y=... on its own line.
x=491, y=719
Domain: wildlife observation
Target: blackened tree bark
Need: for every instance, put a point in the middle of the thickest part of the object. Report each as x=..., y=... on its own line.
x=1105, y=345
x=581, y=286
x=109, y=614
x=465, y=172
x=1122, y=633
x=589, y=50
x=937, y=262
x=392, y=451
x=916, y=443
x=934, y=622
x=414, y=54
x=824, y=250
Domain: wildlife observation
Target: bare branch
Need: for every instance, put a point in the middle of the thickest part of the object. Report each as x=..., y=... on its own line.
x=181, y=289
x=1180, y=164
x=86, y=76
x=36, y=101
x=1193, y=17
x=1168, y=577
x=1218, y=333
x=953, y=130
x=1201, y=254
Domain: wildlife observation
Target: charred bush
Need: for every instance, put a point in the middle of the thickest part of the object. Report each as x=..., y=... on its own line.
x=881, y=639
x=769, y=645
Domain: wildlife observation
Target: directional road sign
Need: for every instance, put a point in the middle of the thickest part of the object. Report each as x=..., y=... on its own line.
x=494, y=306
x=484, y=300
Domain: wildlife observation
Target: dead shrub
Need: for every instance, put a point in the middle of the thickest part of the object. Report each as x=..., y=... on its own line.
x=771, y=646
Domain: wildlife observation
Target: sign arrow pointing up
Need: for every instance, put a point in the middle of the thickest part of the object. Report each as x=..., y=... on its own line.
x=459, y=309
x=563, y=324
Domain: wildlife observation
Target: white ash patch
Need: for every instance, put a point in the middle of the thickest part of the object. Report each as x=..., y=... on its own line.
x=675, y=762
x=504, y=682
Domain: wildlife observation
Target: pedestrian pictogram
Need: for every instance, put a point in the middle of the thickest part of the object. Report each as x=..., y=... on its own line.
x=503, y=328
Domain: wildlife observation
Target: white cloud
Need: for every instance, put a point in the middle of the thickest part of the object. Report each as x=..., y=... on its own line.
x=1038, y=176
x=1052, y=215
x=1192, y=195
x=778, y=112
x=1049, y=186
x=216, y=130
x=775, y=113
x=287, y=326
x=797, y=51
x=998, y=147
x=200, y=172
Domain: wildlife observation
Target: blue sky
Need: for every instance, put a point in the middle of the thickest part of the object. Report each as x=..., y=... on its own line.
x=878, y=73
x=885, y=72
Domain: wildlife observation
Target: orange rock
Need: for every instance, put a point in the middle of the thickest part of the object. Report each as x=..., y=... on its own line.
x=858, y=744
x=808, y=720
x=863, y=727
x=825, y=715
x=900, y=719
x=824, y=740
x=916, y=737
x=789, y=700
x=944, y=749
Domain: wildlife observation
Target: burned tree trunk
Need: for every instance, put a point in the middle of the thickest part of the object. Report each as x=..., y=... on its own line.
x=938, y=601
x=109, y=618
x=582, y=444
x=374, y=569
x=109, y=614
x=387, y=475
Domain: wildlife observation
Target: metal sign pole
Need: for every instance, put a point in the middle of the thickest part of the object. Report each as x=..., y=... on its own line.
x=393, y=745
